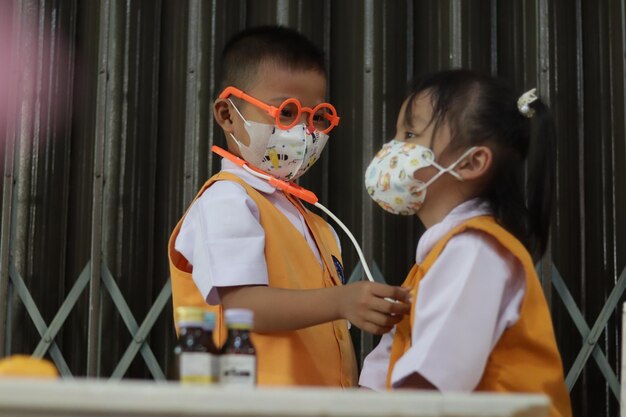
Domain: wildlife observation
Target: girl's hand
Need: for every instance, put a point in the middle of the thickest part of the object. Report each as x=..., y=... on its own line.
x=363, y=304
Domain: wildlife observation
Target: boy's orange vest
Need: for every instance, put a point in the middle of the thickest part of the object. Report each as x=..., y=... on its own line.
x=317, y=355
x=526, y=358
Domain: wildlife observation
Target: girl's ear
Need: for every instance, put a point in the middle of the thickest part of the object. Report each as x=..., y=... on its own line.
x=223, y=116
x=476, y=164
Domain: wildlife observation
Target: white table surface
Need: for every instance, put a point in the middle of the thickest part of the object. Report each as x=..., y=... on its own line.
x=82, y=397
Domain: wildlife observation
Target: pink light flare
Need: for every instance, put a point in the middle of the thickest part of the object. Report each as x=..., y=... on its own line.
x=35, y=72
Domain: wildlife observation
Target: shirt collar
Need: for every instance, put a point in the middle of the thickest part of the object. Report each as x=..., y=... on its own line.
x=254, y=182
x=467, y=210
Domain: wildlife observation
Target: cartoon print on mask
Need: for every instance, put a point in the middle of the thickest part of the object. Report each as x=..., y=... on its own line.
x=383, y=152
x=416, y=191
x=386, y=206
x=414, y=207
x=311, y=162
x=395, y=187
x=406, y=148
x=428, y=155
x=275, y=158
x=383, y=181
x=285, y=154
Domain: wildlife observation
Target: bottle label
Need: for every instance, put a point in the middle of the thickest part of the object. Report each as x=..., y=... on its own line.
x=197, y=368
x=238, y=370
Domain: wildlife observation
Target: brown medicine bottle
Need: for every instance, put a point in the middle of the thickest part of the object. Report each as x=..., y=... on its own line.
x=206, y=339
x=192, y=358
x=238, y=356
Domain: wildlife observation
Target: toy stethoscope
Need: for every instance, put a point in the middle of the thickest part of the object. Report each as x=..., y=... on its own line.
x=296, y=191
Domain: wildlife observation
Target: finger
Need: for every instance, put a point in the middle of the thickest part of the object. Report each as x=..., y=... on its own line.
x=387, y=307
x=378, y=323
x=396, y=293
x=401, y=294
x=399, y=308
x=382, y=320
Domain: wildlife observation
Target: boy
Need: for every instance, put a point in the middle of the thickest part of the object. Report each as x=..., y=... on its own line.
x=245, y=244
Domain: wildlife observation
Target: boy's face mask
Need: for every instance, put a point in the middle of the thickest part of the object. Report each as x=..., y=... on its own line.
x=390, y=181
x=284, y=154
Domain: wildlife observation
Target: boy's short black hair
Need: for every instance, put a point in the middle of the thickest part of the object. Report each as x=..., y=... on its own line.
x=247, y=50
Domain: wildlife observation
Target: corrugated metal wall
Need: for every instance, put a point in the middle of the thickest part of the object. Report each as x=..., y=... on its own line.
x=113, y=126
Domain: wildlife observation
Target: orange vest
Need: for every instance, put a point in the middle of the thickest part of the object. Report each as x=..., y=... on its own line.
x=317, y=355
x=526, y=358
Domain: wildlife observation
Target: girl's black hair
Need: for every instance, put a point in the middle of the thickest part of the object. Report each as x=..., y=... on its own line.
x=482, y=110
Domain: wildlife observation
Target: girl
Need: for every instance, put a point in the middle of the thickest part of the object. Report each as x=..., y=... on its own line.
x=479, y=320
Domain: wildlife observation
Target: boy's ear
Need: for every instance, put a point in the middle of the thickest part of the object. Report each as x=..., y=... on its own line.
x=223, y=115
x=476, y=164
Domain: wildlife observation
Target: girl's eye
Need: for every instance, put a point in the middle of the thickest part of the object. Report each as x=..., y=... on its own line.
x=409, y=135
x=285, y=113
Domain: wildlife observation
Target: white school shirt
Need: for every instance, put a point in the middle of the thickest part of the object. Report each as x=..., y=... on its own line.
x=222, y=238
x=470, y=295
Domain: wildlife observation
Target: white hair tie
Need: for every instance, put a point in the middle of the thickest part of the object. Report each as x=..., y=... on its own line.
x=523, y=103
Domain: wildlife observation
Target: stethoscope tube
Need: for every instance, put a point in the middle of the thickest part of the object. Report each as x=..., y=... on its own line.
x=330, y=214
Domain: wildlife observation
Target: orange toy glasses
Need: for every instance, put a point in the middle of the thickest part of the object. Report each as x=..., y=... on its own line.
x=322, y=117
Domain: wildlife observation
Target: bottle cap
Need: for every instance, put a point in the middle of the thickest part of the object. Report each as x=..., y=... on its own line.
x=186, y=316
x=209, y=320
x=239, y=316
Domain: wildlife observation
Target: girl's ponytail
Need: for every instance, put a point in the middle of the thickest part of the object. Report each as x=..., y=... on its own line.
x=540, y=177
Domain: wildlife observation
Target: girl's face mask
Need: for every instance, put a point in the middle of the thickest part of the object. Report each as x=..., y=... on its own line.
x=284, y=154
x=390, y=181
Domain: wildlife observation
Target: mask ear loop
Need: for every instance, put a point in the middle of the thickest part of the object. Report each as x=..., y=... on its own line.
x=238, y=112
x=247, y=123
x=449, y=170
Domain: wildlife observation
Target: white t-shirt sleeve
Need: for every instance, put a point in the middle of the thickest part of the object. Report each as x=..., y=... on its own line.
x=223, y=240
x=376, y=364
x=469, y=296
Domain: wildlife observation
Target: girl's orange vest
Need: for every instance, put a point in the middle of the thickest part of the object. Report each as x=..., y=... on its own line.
x=526, y=358
x=317, y=355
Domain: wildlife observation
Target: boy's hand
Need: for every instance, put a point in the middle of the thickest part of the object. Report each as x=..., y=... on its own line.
x=363, y=304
